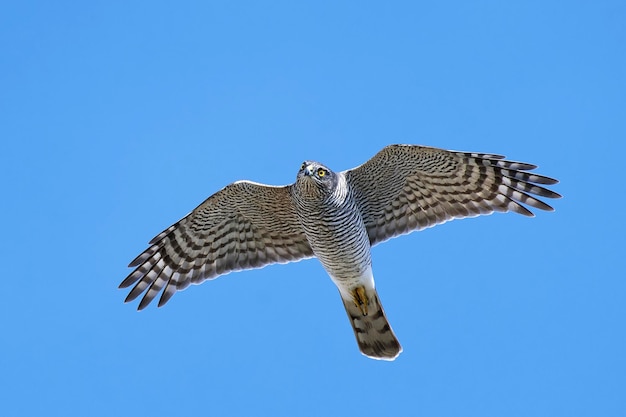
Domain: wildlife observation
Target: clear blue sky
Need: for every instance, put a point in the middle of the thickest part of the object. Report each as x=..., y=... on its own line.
x=118, y=118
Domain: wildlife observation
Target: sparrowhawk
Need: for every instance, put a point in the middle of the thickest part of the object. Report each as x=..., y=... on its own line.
x=336, y=217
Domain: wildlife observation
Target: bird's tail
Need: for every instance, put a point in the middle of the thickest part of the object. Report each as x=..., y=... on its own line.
x=371, y=328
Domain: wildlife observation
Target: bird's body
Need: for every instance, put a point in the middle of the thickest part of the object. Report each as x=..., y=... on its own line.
x=334, y=228
x=336, y=217
x=336, y=232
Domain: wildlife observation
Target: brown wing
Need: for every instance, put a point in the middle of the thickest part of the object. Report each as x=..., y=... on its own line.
x=407, y=187
x=245, y=225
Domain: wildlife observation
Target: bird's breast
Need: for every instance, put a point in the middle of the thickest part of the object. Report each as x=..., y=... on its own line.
x=338, y=237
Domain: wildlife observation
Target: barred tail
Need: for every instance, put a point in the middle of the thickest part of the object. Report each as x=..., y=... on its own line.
x=371, y=328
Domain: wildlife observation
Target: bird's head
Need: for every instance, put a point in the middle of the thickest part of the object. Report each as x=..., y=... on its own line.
x=315, y=179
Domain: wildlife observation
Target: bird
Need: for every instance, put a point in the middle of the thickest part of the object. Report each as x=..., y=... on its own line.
x=336, y=217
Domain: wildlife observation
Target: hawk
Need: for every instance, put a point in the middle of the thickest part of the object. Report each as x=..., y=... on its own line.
x=336, y=217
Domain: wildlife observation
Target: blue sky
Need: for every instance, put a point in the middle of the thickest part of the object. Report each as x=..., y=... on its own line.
x=118, y=118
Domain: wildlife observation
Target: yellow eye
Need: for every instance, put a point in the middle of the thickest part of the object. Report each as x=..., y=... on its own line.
x=321, y=172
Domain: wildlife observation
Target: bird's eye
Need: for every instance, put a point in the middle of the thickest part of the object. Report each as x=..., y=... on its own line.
x=321, y=172
x=302, y=166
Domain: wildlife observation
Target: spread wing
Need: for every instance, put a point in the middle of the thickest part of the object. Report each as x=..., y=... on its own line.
x=245, y=225
x=406, y=187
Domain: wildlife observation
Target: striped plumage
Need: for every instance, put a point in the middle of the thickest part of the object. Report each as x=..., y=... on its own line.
x=335, y=217
x=329, y=213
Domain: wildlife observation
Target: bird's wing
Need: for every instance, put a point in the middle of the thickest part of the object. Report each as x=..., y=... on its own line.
x=407, y=187
x=245, y=225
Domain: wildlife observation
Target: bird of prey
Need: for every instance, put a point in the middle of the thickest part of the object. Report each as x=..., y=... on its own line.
x=336, y=217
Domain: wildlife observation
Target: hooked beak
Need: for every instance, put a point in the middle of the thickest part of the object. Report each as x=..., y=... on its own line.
x=308, y=170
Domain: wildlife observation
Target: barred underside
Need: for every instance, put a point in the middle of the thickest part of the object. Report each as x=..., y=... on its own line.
x=406, y=188
x=243, y=226
x=336, y=217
